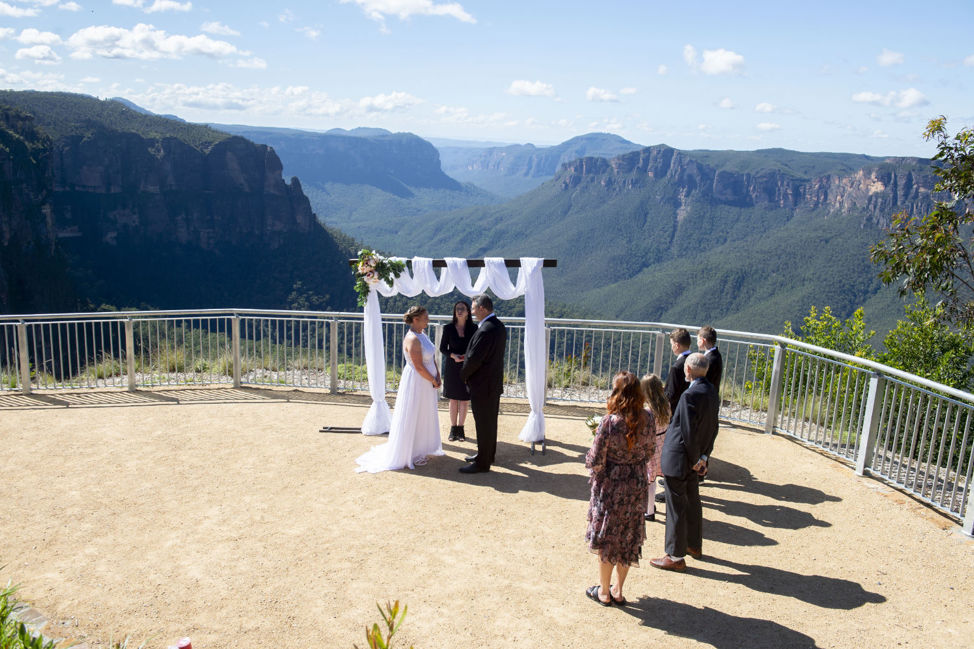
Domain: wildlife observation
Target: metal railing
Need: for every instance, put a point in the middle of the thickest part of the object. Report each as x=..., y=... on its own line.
x=900, y=428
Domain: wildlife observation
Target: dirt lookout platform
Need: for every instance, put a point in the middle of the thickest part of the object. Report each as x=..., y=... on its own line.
x=226, y=516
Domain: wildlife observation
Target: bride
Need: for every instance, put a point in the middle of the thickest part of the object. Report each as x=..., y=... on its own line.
x=415, y=431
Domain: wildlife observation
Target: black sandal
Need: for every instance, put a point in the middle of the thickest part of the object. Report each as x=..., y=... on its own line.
x=593, y=593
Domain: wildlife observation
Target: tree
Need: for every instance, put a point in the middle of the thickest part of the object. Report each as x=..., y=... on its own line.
x=936, y=252
x=925, y=345
x=849, y=337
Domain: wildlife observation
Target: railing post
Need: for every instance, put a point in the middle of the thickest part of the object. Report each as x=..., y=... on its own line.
x=437, y=339
x=658, y=354
x=333, y=355
x=23, y=358
x=235, y=337
x=774, y=398
x=547, y=362
x=969, y=516
x=130, y=353
x=870, y=424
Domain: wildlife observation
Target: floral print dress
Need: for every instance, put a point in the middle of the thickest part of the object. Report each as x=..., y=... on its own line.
x=616, y=530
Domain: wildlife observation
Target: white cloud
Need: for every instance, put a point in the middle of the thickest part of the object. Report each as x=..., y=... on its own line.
x=889, y=57
x=218, y=29
x=600, y=94
x=764, y=107
x=286, y=16
x=156, y=6
x=34, y=80
x=32, y=36
x=143, y=42
x=11, y=11
x=310, y=32
x=662, y=70
x=531, y=88
x=628, y=91
x=69, y=6
x=403, y=9
x=721, y=62
x=254, y=63
x=275, y=101
x=909, y=98
x=91, y=80
x=392, y=101
x=462, y=115
x=39, y=54
x=879, y=134
x=5, y=32
x=768, y=126
x=726, y=102
x=969, y=61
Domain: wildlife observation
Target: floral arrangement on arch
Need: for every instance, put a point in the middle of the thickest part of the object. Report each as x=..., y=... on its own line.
x=374, y=268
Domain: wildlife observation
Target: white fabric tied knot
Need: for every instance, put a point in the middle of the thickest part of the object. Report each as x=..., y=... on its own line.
x=456, y=275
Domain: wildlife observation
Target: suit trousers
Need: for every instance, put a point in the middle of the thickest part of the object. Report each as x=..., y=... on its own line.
x=684, y=514
x=486, y=407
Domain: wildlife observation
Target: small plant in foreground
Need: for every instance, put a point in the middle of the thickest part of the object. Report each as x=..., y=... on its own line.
x=374, y=635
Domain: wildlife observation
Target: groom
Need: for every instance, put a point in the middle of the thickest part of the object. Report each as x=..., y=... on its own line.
x=483, y=372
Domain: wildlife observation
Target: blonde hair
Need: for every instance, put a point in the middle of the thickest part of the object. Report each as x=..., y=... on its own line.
x=656, y=398
x=413, y=313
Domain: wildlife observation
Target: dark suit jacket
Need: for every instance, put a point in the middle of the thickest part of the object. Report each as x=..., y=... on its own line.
x=676, y=382
x=716, y=368
x=692, y=429
x=483, y=366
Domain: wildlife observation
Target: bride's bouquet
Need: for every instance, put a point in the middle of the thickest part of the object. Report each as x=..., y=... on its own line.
x=593, y=423
x=374, y=268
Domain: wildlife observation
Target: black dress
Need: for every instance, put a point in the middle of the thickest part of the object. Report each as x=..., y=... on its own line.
x=453, y=343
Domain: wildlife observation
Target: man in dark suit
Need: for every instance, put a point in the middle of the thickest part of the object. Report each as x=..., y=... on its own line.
x=483, y=372
x=691, y=431
x=676, y=382
x=707, y=344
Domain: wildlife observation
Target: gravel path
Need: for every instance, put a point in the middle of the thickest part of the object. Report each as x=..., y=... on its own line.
x=229, y=518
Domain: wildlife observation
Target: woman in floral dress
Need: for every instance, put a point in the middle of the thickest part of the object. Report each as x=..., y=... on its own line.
x=623, y=444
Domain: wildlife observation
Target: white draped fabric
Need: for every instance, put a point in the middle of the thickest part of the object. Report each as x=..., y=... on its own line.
x=456, y=275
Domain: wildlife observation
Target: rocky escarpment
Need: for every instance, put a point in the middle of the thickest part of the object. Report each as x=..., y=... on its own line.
x=140, y=216
x=876, y=189
x=397, y=163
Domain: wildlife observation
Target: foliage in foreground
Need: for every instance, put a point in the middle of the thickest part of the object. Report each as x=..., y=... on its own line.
x=14, y=634
x=374, y=635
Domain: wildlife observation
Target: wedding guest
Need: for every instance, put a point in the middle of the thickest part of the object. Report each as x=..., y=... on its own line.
x=707, y=344
x=676, y=382
x=617, y=462
x=658, y=408
x=453, y=345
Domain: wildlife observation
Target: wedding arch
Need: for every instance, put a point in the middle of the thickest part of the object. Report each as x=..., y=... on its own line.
x=456, y=275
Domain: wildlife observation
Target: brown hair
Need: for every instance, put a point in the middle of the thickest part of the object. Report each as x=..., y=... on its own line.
x=413, y=313
x=458, y=303
x=627, y=401
x=709, y=334
x=681, y=337
x=656, y=399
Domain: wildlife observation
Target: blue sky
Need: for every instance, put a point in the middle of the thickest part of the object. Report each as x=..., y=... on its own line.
x=856, y=76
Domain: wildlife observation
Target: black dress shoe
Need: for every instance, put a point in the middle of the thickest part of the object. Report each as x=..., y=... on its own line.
x=660, y=497
x=473, y=468
x=470, y=458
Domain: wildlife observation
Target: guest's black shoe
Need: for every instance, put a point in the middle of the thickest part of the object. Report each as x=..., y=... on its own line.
x=453, y=434
x=461, y=436
x=660, y=498
x=470, y=458
x=650, y=517
x=473, y=468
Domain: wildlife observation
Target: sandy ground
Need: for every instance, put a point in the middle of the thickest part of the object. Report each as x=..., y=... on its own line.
x=232, y=520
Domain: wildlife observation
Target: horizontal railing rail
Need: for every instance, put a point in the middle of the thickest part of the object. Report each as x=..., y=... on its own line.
x=903, y=429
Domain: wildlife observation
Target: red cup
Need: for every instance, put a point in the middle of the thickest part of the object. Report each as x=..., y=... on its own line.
x=185, y=644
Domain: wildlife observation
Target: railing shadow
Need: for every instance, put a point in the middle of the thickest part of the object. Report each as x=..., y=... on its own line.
x=825, y=592
x=715, y=628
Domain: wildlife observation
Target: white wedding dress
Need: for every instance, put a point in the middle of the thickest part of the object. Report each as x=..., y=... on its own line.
x=414, y=432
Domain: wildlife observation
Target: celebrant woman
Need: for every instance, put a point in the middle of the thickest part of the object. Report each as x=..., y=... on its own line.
x=456, y=337
x=414, y=432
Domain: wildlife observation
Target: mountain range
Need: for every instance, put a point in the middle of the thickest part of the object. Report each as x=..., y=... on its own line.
x=104, y=202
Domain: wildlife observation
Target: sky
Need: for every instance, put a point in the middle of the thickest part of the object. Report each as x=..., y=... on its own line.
x=856, y=76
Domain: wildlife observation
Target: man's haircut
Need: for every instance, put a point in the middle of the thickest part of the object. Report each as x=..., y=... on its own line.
x=709, y=334
x=698, y=364
x=681, y=337
x=484, y=300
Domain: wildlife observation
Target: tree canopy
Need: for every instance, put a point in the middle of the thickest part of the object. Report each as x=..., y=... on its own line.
x=935, y=253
